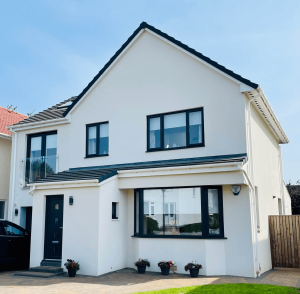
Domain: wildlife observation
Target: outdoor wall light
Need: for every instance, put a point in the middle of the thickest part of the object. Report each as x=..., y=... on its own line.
x=16, y=211
x=236, y=190
x=71, y=201
x=274, y=197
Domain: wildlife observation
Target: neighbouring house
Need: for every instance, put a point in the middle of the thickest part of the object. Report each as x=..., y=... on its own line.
x=7, y=118
x=165, y=155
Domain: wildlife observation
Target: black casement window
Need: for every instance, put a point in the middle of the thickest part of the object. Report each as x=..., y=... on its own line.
x=97, y=139
x=41, y=158
x=175, y=130
x=114, y=210
x=193, y=212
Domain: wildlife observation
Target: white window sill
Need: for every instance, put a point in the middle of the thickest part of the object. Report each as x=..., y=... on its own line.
x=115, y=219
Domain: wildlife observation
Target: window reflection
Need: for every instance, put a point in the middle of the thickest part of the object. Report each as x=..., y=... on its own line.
x=172, y=212
x=213, y=211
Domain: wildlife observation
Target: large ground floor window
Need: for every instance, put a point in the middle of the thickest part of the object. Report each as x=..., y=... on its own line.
x=179, y=212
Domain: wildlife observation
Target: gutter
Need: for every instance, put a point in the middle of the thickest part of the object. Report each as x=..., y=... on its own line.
x=5, y=136
x=36, y=185
x=178, y=168
x=38, y=124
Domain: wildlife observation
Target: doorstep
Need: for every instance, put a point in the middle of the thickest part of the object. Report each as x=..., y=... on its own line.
x=41, y=272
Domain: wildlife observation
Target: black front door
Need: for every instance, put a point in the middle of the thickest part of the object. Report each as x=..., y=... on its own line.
x=53, y=228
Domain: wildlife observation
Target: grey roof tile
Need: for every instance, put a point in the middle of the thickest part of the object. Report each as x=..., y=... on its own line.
x=101, y=173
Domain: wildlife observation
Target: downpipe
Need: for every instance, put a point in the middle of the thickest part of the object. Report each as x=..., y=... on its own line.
x=12, y=196
x=31, y=190
x=252, y=188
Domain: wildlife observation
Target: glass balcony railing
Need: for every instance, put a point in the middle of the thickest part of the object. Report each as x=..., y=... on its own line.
x=41, y=167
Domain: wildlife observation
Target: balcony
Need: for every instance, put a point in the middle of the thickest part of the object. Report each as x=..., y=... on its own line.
x=40, y=167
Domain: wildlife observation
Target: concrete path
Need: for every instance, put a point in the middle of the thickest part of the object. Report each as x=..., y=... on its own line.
x=129, y=281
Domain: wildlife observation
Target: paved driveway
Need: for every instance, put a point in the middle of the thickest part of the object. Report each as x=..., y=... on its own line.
x=128, y=281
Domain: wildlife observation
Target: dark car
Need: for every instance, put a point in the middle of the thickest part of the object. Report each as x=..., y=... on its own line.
x=14, y=246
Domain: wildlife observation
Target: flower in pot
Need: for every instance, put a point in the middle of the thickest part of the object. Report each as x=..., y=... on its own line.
x=194, y=268
x=141, y=265
x=165, y=266
x=72, y=267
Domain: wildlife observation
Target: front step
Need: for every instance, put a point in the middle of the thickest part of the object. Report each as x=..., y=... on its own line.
x=56, y=263
x=42, y=272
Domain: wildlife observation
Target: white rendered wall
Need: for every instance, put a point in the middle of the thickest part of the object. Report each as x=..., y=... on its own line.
x=231, y=256
x=153, y=77
x=267, y=179
x=80, y=227
x=5, y=154
x=112, y=234
x=21, y=196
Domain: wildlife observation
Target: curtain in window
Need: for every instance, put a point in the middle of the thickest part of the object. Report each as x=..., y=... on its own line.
x=195, y=128
x=103, y=137
x=155, y=132
x=92, y=140
x=175, y=130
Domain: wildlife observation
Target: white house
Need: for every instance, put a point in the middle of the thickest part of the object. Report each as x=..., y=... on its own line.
x=146, y=162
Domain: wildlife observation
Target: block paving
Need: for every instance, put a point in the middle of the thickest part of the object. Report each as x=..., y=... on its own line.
x=129, y=281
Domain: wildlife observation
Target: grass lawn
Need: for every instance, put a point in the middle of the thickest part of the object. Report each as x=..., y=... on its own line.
x=227, y=288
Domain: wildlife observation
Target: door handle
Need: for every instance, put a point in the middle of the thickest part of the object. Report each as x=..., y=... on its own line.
x=55, y=242
x=61, y=227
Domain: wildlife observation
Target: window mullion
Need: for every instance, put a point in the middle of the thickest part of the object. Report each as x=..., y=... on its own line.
x=141, y=212
x=204, y=209
x=98, y=140
x=162, y=146
x=187, y=130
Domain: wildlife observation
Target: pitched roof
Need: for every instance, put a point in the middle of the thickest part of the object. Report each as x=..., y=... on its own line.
x=57, y=111
x=102, y=173
x=142, y=26
x=53, y=112
x=8, y=118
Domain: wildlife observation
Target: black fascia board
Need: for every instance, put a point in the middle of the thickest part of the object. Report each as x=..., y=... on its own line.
x=144, y=25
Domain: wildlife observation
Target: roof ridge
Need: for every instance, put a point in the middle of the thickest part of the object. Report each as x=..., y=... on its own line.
x=145, y=25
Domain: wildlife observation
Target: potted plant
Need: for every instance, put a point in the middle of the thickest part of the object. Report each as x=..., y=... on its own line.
x=193, y=267
x=72, y=267
x=141, y=265
x=165, y=266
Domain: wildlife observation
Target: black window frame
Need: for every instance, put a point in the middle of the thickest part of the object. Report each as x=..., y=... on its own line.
x=97, y=125
x=204, y=212
x=114, y=214
x=188, y=144
x=43, y=149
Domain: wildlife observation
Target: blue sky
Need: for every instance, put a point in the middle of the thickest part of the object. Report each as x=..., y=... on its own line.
x=50, y=50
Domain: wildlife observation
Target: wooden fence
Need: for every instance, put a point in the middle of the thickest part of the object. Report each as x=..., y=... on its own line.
x=285, y=240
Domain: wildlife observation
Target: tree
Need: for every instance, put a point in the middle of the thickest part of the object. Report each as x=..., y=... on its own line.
x=294, y=191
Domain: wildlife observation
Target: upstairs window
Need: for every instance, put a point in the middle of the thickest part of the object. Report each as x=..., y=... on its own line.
x=97, y=139
x=41, y=158
x=178, y=130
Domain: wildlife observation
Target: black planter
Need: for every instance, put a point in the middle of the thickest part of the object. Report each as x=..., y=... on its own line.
x=165, y=271
x=141, y=269
x=194, y=272
x=72, y=273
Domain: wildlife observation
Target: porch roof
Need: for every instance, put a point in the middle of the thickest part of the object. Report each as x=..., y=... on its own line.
x=102, y=173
